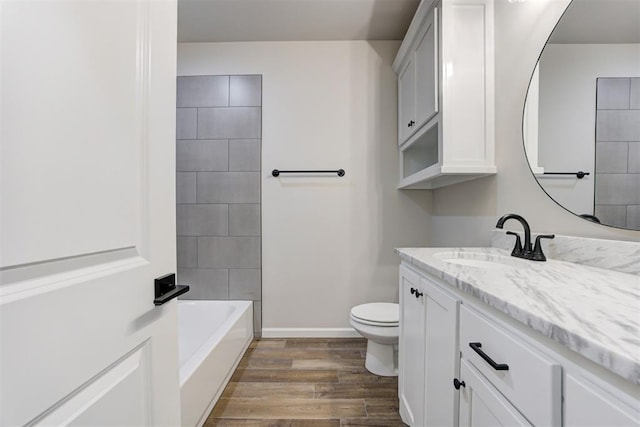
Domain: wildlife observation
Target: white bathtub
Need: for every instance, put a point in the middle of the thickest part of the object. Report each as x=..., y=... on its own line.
x=212, y=337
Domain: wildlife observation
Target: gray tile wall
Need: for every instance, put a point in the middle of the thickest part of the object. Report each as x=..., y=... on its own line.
x=617, y=175
x=218, y=188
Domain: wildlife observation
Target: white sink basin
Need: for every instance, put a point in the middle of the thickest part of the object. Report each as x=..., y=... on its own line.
x=481, y=260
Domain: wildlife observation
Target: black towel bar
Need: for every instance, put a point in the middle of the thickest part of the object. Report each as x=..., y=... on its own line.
x=339, y=172
x=579, y=174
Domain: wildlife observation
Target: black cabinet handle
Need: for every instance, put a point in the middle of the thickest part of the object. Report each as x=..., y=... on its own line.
x=457, y=384
x=411, y=123
x=476, y=346
x=413, y=291
x=166, y=289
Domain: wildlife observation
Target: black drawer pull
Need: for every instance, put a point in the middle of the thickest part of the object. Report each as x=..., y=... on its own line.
x=476, y=346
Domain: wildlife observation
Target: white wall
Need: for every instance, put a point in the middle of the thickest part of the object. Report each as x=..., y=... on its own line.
x=568, y=74
x=521, y=31
x=327, y=242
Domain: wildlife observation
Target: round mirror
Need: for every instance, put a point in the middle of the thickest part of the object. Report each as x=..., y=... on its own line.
x=581, y=123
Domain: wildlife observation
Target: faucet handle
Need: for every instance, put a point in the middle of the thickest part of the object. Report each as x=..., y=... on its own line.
x=537, y=254
x=517, y=249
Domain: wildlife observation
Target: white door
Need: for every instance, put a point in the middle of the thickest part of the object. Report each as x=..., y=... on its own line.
x=442, y=356
x=411, y=348
x=87, y=127
x=406, y=101
x=426, y=69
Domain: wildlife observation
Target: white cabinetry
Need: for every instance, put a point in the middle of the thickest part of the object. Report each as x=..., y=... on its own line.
x=418, y=81
x=411, y=348
x=589, y=404
x=428, y=352
x=446, y=94
x=441, y=355
x=536, y=385
x=515, y=369
x=482, y=405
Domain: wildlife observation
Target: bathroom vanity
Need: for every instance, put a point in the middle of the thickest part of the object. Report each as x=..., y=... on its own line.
x=489, y=339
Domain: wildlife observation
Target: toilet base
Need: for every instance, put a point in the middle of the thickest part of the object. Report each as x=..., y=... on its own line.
x=382, y=359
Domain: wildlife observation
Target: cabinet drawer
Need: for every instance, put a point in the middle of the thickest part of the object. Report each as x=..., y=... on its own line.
x=528, y=379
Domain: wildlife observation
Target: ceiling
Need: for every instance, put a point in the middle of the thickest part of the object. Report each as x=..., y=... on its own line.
x=293, y=20
x=599, y=21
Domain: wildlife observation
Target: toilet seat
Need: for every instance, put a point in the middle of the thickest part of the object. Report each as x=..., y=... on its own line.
x=382, y=314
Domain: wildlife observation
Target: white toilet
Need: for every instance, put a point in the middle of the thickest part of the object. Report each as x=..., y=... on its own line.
x=378, y=323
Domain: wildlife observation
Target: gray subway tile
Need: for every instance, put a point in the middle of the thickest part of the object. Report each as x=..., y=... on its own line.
x=185, y=187
x=232, y=122
x=613, y=93
x=244, y=155
x=634, y=101
x=187, y=251
x=257, y=319
x=613, y=215
x=618, y=125
x=245, y=91
x=244, y=220
x=245, y=284
x=202, y=220
x=203, y=91
x=186, y=123
x=205, y=283
x=633, y=217
x=611, y=157
x=617, y=189
x=634, y=157
x=229, y=252
x=202, y=155
x=228, y=187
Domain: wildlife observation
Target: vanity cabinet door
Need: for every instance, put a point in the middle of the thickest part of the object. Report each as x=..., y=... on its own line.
x=588, y=405
x=406, y=102
x=481, y=404
x=411, y=348
x=426, y=69
x=441, y=354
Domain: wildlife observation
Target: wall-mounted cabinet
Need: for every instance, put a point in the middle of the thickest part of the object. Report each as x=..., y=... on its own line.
x=446, y=94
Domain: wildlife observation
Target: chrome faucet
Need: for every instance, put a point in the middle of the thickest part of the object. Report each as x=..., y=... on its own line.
x=525, y=251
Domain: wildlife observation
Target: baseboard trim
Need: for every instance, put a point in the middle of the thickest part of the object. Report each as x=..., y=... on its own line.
x=309, y=333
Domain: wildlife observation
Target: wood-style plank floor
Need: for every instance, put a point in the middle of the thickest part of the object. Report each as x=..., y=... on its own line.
x=306, y=382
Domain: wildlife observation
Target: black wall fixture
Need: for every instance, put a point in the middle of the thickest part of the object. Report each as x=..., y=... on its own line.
x=339, y=172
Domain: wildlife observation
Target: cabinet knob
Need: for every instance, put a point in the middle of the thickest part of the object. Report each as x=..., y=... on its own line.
x=413, y=291
x=457, y=384
x=411, y=123
x=418, y=294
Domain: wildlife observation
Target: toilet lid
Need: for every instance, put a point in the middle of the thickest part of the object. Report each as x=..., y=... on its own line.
x=380, y=312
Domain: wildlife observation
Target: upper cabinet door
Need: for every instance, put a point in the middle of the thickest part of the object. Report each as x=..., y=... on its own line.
x=87, y=131
x=407, y=97
x=426, y=60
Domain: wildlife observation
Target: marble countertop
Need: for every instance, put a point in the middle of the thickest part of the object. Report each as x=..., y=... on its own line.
x=593, y=311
